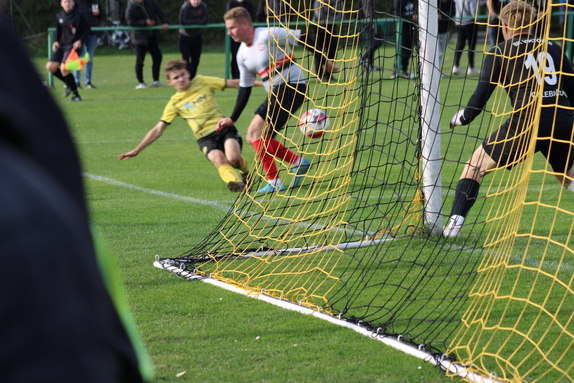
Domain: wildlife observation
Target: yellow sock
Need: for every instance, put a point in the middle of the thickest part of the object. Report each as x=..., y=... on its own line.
x=228, y=173
x=244, y=168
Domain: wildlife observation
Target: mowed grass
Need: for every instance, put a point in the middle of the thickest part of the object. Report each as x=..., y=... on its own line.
x=167, y=200
x=170, y=197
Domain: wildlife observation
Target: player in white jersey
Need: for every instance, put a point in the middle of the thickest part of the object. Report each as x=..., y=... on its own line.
x=265, y=52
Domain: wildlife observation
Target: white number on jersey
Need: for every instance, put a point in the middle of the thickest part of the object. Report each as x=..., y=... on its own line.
x=535, y=63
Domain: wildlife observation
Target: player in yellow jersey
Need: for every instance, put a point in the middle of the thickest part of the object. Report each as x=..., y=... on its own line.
x=195, y=102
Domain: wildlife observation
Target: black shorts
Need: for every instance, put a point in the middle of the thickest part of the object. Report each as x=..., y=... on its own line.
x=283, y=101
x=508, y=146
x=62, y=54
x=216, y=140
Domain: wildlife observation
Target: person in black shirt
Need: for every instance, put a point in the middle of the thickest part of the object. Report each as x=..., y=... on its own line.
x=190, y=41
x=143, y=13
x=446, y=11
x=408, y=34
x=71, y=32
x=370, y=26
x=90, y=9
x=234, y=44
x=529, y=69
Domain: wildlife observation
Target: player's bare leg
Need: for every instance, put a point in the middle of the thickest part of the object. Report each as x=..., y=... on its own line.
x=233, y=154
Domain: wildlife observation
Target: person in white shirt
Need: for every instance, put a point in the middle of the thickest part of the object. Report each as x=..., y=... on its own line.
x=266, y=52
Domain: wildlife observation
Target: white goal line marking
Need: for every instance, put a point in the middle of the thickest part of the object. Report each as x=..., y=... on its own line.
x=215, y=205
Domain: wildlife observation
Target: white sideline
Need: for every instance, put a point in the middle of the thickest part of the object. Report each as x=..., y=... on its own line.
x=111, y=181
x=419, y=353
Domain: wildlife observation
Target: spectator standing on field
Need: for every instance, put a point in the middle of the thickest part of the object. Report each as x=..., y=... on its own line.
x=446, y=11
x=467, y=33
x=144, y=13
x=493, y=30
x=327, y=15
x=406, y=10
x=193, y=12
x=271, y=10
x=370, y=29
x=234, y=44
x=72, y=29
x=90, y=9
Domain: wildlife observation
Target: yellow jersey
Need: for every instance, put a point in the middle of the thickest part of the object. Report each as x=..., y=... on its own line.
x=196, y=105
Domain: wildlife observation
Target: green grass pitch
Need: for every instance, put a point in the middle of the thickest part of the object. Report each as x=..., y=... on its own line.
x=168, y=199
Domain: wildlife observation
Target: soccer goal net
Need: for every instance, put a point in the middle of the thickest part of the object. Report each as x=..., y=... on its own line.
x=361, y=238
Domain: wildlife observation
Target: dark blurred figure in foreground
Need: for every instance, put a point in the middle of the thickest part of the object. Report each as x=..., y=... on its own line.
x=59, y=321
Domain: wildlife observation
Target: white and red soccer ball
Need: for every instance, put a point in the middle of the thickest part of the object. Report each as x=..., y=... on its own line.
x=314, y=123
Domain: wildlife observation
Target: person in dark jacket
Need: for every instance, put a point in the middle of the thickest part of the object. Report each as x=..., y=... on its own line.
x=272, y=11
x=144, y=13
x=193, y=12
x=408, y=35
x=372, y=36
x=59, y=321
x=72, y=30
x=446, y=11
x=90, y=9
x=234, y=44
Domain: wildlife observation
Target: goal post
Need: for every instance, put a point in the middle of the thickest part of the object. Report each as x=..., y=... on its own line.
x=431, y=157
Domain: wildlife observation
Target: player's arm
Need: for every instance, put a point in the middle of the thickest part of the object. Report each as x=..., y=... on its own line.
x=489, y=79
x=150, y=137
x=234, y=83
x=242, y=99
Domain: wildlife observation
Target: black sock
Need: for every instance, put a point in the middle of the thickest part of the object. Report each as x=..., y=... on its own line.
x=71, y=83
x=465, y=196
x=58, y=74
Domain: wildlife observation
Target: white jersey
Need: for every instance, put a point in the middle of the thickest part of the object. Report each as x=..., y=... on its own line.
x=270, y=50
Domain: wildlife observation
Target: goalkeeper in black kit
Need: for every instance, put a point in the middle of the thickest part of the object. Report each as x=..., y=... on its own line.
x=528, y=68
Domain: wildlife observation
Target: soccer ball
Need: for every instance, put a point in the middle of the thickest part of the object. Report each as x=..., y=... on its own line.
x=314, y=122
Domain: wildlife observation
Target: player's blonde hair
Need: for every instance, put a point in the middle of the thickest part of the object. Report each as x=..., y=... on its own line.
x=174, y=65
x=238, y=13
x=518, y=15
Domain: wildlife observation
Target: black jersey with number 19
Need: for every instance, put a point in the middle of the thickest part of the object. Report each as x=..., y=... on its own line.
x=516, y=64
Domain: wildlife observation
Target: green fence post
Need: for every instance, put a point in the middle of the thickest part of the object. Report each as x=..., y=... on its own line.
x=51, y=37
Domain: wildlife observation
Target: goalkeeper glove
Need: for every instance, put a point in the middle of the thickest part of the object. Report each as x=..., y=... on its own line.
x=458, y=119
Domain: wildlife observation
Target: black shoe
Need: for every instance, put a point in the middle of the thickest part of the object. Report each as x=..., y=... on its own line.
x=78, y=85
x=76, y=98
x=67, y=92
x=90, y=86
